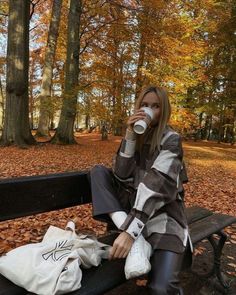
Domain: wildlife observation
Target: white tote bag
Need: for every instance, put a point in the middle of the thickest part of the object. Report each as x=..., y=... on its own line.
x=53, y=266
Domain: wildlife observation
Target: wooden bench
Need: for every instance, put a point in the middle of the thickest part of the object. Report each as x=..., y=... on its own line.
x=35, y=194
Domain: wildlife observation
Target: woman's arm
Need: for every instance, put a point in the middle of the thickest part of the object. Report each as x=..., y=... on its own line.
x=123, y=161
x=158, y=187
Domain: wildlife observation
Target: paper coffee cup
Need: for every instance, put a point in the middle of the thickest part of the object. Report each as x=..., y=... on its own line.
x=141, y=125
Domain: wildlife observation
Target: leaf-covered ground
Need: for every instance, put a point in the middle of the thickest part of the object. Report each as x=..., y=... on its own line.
x=212, y=184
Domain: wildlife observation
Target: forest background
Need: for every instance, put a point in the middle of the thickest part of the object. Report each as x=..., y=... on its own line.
x=87, y=62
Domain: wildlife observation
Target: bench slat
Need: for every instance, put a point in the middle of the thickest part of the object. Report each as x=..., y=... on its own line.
x=96, y=280
x=209, y=225
x=8, y=288
x=196, y=213
x=25, y=196
x=103, y=278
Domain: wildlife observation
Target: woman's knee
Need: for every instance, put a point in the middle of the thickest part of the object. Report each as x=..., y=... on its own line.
x=98, y=169
x=101, y=175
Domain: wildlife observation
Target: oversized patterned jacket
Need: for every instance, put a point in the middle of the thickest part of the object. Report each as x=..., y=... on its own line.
x=158, y=210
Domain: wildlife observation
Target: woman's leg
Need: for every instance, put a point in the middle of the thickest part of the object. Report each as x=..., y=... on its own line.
x=104, y=196
x=163, y=277
x=106, y=205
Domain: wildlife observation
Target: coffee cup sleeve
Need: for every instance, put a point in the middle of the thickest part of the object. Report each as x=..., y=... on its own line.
x=140, y=126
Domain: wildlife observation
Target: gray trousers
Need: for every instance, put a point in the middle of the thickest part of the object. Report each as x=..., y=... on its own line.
x=110, y=195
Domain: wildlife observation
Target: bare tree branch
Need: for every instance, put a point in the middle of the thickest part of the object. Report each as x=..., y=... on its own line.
x=33, y=28
x=137, y=8
x=33, y=4
x=98, y=29
x=87, y=41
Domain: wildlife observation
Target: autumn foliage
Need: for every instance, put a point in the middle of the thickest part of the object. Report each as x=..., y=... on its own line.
x=186, y=46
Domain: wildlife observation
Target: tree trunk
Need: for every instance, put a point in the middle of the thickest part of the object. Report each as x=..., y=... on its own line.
x=65, y=130
x=143, y=23
x=209, y=127
x=87, y=121
x=104, y=132
x=44, y=116
x=31, y=107
x=117, y=77
x=233, y=136
x=2, y=104
x=142, y=50
x=206, y=127
x=119, y=112
x=199, y=136
x=220, y=130
x=16, y=128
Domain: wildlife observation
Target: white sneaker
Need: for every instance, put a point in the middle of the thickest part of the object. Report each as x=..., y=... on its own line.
x=137, y=261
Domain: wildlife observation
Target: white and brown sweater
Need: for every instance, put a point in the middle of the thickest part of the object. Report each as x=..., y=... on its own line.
x=159, y=209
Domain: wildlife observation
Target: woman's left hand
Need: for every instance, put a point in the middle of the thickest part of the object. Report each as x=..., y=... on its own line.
x=121, y=246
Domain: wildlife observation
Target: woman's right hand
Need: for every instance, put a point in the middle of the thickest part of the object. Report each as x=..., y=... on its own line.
x=121, y=246
x=138, y=115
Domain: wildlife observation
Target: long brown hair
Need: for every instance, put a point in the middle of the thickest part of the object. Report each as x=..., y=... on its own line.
x=165, y=113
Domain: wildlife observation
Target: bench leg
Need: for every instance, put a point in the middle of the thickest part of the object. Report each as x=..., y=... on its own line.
x=218, y=247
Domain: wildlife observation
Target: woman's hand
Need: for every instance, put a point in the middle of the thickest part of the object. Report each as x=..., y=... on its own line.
x=138, y=115
x=121, y=246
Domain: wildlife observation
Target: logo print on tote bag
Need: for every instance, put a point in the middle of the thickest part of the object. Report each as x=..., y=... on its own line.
x=61, y=250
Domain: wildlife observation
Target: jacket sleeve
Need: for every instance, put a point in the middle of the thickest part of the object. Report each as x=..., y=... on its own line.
x=124, y=162
x=158, y=187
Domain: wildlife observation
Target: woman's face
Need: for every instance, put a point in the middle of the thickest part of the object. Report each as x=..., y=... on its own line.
x=152, y=101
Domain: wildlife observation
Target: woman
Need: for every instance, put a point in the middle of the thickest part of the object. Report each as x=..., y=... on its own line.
x=143, y=196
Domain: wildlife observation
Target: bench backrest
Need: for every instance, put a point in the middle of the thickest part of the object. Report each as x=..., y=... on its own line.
x=35, y=194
